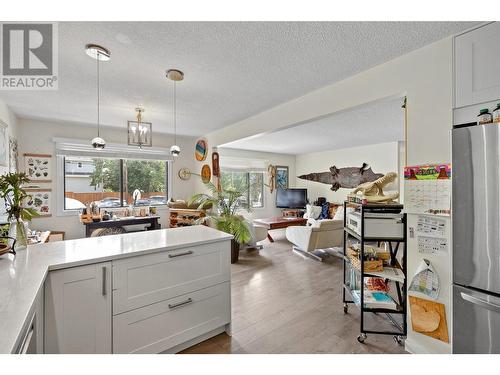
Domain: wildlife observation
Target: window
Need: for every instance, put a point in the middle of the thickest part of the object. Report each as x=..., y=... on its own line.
x=114, y=182
x=251, y=182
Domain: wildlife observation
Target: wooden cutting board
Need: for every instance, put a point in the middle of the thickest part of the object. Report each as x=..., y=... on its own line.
x=426, y=316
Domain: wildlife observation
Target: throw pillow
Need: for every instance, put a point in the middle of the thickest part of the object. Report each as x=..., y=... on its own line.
x=325, y=211
x=333, y=209
x=312, y=212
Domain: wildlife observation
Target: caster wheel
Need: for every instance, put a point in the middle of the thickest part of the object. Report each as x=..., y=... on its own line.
x=346, y=308
x=362, y=338
x=398, y=340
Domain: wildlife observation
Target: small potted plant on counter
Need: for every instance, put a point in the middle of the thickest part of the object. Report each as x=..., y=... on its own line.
x=12, y=192
x=223, y=216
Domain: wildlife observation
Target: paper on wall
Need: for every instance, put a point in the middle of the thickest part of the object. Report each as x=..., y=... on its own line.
x=432, y=245
x=425, y=281
x=428, y=189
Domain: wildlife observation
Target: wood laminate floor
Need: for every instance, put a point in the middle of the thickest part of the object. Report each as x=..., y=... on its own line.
x=283, y=303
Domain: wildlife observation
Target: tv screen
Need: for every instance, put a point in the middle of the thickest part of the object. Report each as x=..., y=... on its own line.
x=291, y=198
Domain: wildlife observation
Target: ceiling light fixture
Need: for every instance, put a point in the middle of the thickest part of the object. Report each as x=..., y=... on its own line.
x=98, y=53
x=175, y=75
x=140, y=132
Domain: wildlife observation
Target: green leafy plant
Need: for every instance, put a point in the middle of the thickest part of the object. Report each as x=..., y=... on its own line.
x=14, y=195
x=225, y=203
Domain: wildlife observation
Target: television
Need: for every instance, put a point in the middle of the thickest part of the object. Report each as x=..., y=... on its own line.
x=291, y=198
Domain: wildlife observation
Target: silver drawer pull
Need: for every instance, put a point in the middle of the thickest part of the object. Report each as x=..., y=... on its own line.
x=180, y=254
x=480, y=302
x=104, y=289
x=174, y=305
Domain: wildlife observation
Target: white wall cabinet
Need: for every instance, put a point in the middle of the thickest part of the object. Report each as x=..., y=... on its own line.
x=477, y=53
x=78, y=316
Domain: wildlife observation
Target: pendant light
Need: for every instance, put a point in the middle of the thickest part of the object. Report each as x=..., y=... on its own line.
x=98, y=53
x=175, y=75
x=139, y=132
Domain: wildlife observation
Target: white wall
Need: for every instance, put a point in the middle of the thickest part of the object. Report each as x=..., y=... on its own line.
x=269, y=208
x=382, y=158
x=425, y=76
x=36, y=137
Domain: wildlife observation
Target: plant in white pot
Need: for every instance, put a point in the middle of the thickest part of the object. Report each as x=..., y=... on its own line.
x=225, y=203
x=12, y=192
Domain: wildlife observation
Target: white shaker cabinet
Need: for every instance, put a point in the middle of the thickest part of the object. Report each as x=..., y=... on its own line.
x=477, y=77
x=78, y=316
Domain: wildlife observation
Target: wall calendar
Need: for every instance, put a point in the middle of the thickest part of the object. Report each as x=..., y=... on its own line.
x=428, y=189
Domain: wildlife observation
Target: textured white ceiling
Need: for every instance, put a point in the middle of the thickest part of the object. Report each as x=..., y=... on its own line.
x=233, y=70
x=379, y=122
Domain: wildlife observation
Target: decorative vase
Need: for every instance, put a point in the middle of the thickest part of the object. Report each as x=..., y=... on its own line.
x=18, y=231
x=235, y=251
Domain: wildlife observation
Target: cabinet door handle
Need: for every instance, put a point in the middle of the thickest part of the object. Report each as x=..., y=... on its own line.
x=180, y=254
x=104, y=281
x=480, y=302
x=174, y=305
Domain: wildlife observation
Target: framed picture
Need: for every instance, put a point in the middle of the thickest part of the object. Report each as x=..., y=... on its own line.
x=3, y=144
x=40, y=200
x=13, y=155
x=281, y=177
x=38, y=167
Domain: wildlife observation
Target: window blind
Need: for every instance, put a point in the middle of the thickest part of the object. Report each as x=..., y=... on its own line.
x=78, y=147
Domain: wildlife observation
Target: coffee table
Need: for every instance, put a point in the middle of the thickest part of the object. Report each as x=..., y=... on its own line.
x=279, y=222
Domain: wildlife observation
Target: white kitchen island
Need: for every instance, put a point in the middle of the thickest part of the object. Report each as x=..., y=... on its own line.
x=145, y=292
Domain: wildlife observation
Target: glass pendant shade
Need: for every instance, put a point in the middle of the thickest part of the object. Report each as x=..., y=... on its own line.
x=175, y=76
x=98, y=143
x=175, y=150
x=98, y=53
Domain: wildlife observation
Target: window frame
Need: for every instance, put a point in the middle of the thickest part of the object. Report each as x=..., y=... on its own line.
x=61, y=191
x=247, y=173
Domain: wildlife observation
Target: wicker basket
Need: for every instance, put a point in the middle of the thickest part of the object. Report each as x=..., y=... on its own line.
x=369, y=265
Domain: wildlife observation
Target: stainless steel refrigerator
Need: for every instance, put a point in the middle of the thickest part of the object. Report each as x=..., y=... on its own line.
x=476, y=239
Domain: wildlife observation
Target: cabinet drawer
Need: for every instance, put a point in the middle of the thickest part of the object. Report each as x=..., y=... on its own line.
x=147, y=279
x=163, y=325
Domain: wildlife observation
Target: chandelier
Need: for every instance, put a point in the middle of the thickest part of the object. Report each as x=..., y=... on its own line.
x=139, y=132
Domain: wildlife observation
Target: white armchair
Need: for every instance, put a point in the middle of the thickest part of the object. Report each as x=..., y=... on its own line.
x=312, y=239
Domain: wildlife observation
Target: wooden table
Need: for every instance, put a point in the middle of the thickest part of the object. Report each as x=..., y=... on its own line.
x=152, y=220
x=279, y=222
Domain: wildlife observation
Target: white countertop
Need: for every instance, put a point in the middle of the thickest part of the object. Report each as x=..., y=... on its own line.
x=22, y=276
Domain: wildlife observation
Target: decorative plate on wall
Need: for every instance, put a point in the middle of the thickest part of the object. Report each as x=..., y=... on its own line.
x=205, y=174
x=200, y=151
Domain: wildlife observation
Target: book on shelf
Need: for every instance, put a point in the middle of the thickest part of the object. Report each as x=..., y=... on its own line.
x=391, y=273
x=375, y=299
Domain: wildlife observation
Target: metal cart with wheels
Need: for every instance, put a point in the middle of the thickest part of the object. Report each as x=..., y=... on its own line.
x=398, y=259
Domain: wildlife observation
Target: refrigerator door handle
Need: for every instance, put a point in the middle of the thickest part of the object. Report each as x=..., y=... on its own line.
x=480, y=302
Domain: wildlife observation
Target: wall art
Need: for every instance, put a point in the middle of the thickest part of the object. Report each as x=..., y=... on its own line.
x=38, y=167
x=200, y=151
x=3, y=144
x=349, y=177
x=206, y=174
x=40, y=200
x=281, y=173
x=13, y=155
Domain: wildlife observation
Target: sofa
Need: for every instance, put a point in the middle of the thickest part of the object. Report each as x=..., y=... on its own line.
x=313, y=239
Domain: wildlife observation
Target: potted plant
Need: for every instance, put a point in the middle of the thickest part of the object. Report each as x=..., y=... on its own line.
x=225, y=203
x=14, y=195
